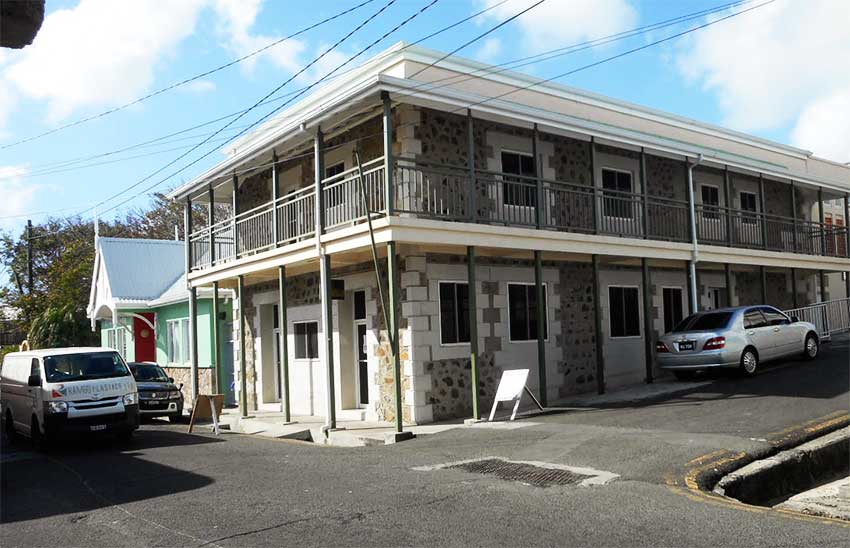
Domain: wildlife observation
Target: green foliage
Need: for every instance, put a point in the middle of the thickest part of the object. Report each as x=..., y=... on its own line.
x=60, y=326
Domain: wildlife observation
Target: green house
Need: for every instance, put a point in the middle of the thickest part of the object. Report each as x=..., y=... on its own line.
x=140, y=301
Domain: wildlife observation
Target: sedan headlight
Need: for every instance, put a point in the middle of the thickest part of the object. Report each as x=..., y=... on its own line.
x=131, y=399
x=176, y=395
x=57, y=407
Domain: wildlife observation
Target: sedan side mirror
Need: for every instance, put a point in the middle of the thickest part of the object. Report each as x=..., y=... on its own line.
x=794, y=319
x=171, y=380
x=34, y=380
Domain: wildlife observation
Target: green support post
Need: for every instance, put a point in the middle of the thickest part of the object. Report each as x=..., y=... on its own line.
x=597, y=306
x=328, y=336
x=284, y=349
x=473, y=330
x=763, y=273
x=727, y=274
x=193, y=343
x=794, y=287
x=216, y=343
x=647, y=319
x=541, y=326
x=243, y=362
x=392, y=274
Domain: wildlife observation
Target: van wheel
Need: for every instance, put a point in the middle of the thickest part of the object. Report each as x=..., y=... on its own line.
x=684, y=375
x=38, y=440
x=749, y=363
x=9, y=426
x=812, y=347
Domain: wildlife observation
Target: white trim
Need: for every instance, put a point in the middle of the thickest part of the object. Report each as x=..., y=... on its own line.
x=639, y=315
x=440, y=311
x=508, y=305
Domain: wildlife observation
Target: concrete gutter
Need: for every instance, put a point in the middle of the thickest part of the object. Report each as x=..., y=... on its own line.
x=770, y=480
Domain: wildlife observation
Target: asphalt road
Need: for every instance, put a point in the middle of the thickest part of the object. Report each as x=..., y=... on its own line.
x=169, y=488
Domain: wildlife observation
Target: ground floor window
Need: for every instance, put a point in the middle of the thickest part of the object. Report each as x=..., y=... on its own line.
x=624, y=311
x=306, y=340
x=454, y=312
x=522, y=312
x=116, y=339
x=177, y=341
x=672, y=297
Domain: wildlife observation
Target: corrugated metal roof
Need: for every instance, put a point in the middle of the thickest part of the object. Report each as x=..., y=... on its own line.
x=140, y=269
x=176, y=292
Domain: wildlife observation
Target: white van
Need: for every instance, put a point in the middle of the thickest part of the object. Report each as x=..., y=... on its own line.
x=63, y=392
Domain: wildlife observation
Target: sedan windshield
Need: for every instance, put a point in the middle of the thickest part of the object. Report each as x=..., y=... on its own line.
x=84, y=366
x=148, y=372
x=704, y=322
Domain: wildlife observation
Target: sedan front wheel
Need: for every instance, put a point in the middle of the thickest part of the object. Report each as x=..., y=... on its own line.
x=749, y=363
x=812, y=347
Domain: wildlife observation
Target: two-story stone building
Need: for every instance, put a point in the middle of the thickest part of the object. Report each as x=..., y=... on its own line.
x=517, y=223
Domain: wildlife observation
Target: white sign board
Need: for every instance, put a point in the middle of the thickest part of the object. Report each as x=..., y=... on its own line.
x=511, y=387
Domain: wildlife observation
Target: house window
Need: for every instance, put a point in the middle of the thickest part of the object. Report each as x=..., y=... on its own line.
x=615, y=204
x=177, y=341
x=625, y=311
x=523, y=192
x=672, y=297
x=306, y=340
x=749, y=205
x=522, y=311
x=710, y=201
x=454, y=313
x=334, y=196
x=334, y=170
x=116, y=339
x=359, y=305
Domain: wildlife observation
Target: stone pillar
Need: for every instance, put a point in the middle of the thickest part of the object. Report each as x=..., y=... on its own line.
x=416, y=339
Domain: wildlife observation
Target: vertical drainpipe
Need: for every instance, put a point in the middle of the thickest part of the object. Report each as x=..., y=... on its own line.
x=794, y=216
x=692, y=265
x=644, y=191
x=594, y=198
x=243, y=361
x=763, y=208
x=283, y=343
x=597, y=306
x=324, y=283
x=211, y=222
x=727, y=190
x=473, y=190
x=235, y=202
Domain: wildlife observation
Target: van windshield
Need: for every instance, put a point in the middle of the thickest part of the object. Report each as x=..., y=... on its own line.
x=84, y=366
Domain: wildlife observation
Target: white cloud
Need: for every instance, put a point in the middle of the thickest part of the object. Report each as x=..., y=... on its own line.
x=561, y=23
x=18, y=196
x=236, y=18
x=100, y=52
x=200, y=86
x=490, y=49
x=782, y=64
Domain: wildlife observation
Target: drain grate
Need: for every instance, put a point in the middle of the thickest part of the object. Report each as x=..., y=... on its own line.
x=537, y=476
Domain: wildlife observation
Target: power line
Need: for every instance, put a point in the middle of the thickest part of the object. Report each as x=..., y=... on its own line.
x=187, y=80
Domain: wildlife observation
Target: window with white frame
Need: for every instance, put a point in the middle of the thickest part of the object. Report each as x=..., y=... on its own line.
x=306, y=340
x=177, y=341
x=624, y=311
x=454, y=312
x=522, y=192
x=615, y=204
x=522, y=312
x=116, y=339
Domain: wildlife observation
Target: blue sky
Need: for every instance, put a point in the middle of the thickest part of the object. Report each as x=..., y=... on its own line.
x=781, y=72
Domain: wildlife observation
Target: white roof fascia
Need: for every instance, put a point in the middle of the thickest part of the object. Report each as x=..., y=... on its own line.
x=518, y=79
x=531, y=115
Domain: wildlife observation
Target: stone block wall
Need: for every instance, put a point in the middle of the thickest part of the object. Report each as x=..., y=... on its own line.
x=183, y=375
x=578, y=329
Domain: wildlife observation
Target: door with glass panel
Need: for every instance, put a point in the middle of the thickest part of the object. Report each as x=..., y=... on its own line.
x=360, y=354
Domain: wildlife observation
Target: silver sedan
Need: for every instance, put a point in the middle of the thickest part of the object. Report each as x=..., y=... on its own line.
x=739, y=337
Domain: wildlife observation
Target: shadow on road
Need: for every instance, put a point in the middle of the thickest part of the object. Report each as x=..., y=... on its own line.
x=89, y=474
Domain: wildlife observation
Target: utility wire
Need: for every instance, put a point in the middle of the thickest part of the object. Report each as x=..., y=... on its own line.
x=187, y=80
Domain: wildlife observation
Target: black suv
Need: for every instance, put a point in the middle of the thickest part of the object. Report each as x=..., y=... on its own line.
x=158, y=395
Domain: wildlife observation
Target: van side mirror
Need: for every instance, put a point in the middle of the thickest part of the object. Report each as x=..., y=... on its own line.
x=794, y=319
x=34, y=380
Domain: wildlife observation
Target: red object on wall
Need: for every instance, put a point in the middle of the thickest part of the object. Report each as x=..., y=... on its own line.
x=145, y=338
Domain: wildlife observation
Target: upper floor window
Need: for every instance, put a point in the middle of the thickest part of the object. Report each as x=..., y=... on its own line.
x=522, y=309
x=749, y=204
x=613, y=203
x=522, y=192
x=454, y=312
x=710, y=201
x=334, y=196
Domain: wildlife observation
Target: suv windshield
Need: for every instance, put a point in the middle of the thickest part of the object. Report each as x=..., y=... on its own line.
x=148, y=372
x=704, y=322
x=84, y=366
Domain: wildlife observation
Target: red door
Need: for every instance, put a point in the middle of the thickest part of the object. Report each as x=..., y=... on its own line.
x=145, y=338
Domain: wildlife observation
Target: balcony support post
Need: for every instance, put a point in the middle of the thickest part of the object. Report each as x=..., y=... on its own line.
x=822, y=227
x=211, y=222
x=594, y=194
x=763, y=207
x=794, y=215
x=540, y=290
x=243, y=362
x=389, y=187
x=187, y=231
x=473, y=188
x=691, y=275
x=283, y=343
x=822, y=281
x=538, y=176
x=847, y=240
x=727, y=273
x=644, y=191
x=763, y=273
x=393, y=328
x=193, y=343
x=473, y=330
x=597, y=309
x=692, y=266
x=234, y=227
x=649, y=332
x=275, y=198
x=794, y=287
x=218, y=378
x=319, y=170
x=727, y=190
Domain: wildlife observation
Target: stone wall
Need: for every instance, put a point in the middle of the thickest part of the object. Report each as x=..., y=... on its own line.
x=183, y=375
x=578, y=329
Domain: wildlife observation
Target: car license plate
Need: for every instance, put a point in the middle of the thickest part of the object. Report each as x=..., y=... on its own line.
x=686, y=345
x=96, y=427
